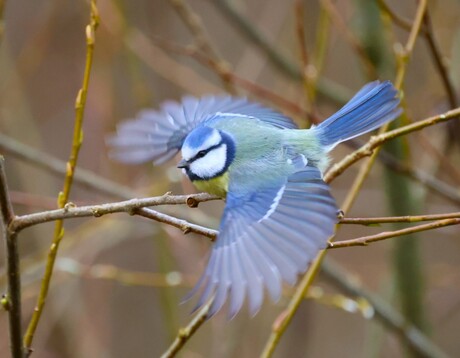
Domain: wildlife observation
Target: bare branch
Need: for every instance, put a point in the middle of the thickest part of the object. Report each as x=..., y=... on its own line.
x=187, y=332
x=366, y=240
x=129, y=206
x=13, y=271
x=398, y=219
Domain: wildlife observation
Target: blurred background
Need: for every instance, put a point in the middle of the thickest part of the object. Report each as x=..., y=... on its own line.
x=119, y=280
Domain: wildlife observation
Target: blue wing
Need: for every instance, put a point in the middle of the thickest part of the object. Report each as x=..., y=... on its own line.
x=159, y=135
x=374, y=105
x=267, y=236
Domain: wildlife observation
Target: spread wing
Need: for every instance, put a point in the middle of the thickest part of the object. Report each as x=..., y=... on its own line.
x=159, y=135
x=267, y=236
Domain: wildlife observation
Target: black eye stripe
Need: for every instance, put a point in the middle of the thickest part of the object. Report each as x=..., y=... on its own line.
x=205, y=151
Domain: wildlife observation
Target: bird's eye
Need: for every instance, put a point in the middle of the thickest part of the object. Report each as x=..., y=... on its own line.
x=201, y=154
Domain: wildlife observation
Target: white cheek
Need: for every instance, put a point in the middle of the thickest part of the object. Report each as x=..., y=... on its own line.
x=211, y=164
x=214, y=139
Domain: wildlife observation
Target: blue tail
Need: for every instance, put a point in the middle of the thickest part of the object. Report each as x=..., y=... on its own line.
x=374, y=105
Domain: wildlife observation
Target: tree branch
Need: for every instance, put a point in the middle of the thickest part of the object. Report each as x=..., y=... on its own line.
x=129, y=206
x=187, y=332
x=398, y=219
x=366, y=240
x=13, y=303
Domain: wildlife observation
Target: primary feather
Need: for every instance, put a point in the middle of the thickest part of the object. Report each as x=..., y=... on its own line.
x=279, y=212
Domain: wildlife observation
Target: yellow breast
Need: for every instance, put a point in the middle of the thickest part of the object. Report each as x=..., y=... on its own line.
x=217, y=186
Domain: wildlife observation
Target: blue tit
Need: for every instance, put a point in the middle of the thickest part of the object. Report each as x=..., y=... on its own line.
x=279, y=212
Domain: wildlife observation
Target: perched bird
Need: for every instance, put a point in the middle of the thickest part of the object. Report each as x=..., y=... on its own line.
x=279, y=212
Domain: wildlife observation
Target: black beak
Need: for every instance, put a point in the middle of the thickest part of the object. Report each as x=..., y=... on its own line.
x=182, y=164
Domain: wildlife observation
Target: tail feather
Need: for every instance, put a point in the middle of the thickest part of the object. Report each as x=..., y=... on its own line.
x=374, y=105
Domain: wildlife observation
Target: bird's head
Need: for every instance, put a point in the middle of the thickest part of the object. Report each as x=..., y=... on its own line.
x=207, y=153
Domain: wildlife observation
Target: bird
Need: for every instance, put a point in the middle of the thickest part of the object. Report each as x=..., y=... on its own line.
x=279, y=213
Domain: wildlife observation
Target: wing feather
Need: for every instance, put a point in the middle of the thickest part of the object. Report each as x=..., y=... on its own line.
x=267, y=236
x=159, y=135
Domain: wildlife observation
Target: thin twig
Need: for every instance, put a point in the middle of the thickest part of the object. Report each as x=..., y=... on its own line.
x=187, y=332
x=404, y=55
x=183, y=225
x=123, y=276
x=307, y=85
x=253, y=88
x=398, y=20
x=194, y=23
x=366, y=240
x=350, y=38
x=398, y=219
x=439, y=61
x=54, y=165
x=13, y=272
x=327, y=88
x=71, y=166
x=283, y=320
x=429, y=181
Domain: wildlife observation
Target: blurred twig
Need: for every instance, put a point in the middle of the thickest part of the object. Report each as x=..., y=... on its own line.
x=54, y=165
x=398, y=20
x=13, y=297
x=122, y=276
x=308, y=81
x=404, y=59
x=253, y=88
x=185, y=333
x=350, y=38
x=327, y=88
x=429, y=181
x=70, y=169
x=439, y=61
x=193, y=21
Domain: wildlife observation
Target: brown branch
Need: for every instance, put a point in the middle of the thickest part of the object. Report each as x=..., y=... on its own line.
x=185, y=226
x=398, y=219
x=129, y=206
x=194, y=23
x=307, y=80
x=350, y=38
x=398, y=20
x=13, y=271
x=366, y=240
x=187, y=332
x=439, y=61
